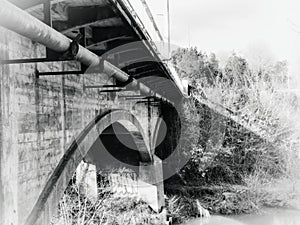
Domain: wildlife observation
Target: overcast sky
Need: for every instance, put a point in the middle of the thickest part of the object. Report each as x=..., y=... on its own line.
x=266, y=27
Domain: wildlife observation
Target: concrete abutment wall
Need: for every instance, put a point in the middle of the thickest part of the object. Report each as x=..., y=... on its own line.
x=39, y=120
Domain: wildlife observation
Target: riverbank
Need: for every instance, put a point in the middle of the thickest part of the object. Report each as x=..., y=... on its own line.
x=268, y=217
x=232, y=200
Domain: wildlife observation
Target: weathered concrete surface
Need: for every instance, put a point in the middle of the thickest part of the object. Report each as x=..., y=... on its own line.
x=124, y=183
x=40, y=118
x=86, y=180
x=150, y=184
x=146, y=184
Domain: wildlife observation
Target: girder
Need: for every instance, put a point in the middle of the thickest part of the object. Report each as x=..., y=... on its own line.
x=107, y=27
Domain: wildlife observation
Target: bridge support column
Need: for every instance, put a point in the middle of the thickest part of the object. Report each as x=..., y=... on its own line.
x=150, y=184
x=86, y=179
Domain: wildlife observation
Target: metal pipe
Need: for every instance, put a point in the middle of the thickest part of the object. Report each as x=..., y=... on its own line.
x=21, y=22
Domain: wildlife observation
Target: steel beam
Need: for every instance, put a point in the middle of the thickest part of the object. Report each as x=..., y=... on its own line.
x=101, y=86
x=58, y=73
x=35, y=60
x=112, y=90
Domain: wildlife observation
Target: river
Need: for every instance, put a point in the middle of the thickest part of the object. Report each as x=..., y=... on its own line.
x=269, y=217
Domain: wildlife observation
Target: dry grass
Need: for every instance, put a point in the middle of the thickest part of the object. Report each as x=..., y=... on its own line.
x=108, y=209
x=262, y=167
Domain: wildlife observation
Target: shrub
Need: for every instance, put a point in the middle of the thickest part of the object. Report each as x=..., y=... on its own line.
x=75, y=208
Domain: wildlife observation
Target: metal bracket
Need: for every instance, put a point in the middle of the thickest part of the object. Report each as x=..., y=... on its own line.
x=51, y=56
x=73, y=49
x=141, y=98
x=113, y=90
x=132, y=96
x=57, y=73
x=147, y=101
x=124, y=84
x=39, y=74
x=105, y=88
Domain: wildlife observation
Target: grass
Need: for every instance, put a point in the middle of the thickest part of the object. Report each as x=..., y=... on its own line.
x=75, y=208
x=244, y=172
x=226, y=199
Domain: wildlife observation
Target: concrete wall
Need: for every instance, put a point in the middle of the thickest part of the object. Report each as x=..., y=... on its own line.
x=39, y=118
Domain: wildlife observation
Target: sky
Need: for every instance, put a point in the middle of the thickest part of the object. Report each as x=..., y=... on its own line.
x=255, y=29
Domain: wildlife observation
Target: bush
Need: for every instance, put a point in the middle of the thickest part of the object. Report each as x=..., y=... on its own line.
x=252, y=160
x=76, y=209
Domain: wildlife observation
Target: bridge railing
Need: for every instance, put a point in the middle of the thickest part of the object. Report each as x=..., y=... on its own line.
x=140, y=23
x=138, y=12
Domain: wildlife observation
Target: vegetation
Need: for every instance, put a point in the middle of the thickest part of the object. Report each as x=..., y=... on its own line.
x=232, y=169
x=76, y=208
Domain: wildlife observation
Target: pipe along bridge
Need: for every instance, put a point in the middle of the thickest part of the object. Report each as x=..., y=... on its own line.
x=82, y=86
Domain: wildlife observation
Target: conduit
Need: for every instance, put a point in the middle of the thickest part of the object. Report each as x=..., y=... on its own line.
x=21, y=22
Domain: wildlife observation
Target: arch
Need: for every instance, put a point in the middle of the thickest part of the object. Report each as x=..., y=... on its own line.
x=118, y=146
x=59, y=179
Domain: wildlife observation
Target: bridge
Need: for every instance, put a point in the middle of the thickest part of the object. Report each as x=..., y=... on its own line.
x=82, y=82
x=82, y=85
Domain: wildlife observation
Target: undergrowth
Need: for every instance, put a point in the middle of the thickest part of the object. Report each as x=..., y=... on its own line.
x=76, y=208
x=232, y=169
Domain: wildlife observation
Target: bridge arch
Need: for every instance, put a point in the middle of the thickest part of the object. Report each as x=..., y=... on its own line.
x=77, y=151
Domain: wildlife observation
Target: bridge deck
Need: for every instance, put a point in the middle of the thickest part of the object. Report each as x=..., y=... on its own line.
x=112, y=30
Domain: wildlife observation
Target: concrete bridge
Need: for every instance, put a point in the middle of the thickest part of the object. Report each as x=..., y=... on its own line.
x=82, y=84
x=80, y=81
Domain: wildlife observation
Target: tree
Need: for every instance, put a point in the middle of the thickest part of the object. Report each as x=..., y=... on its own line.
x=236, y=71
x=196, y=66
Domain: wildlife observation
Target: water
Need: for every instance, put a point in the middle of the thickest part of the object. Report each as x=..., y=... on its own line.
x=214, y=220
x=270, y=217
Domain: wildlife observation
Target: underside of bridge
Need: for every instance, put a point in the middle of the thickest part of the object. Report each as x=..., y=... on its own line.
x=110, y=29
x=81, y=81
x=119, y=144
